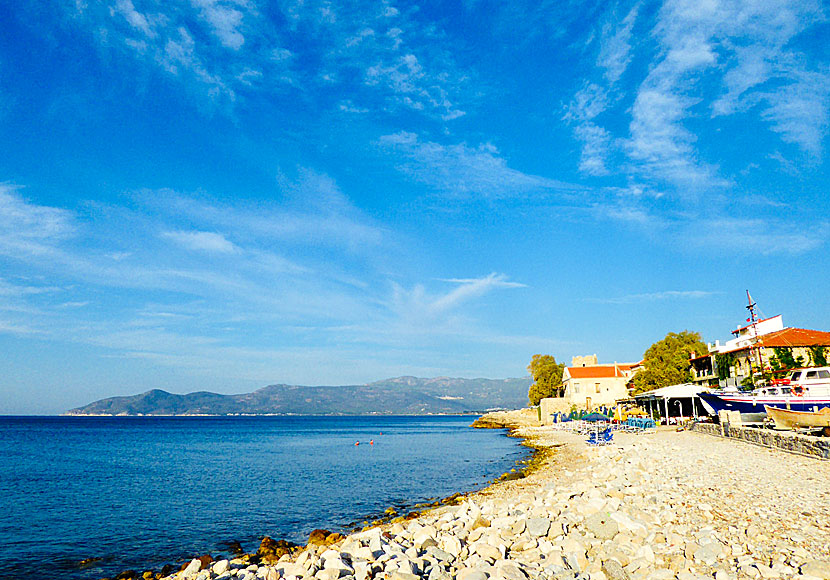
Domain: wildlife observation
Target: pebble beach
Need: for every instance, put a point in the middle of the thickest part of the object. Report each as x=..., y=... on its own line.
x=667, y=505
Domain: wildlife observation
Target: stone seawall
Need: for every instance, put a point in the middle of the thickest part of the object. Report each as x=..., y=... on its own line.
x=784, y=440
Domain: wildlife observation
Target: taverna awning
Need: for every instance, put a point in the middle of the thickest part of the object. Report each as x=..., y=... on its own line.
x=681, y=391
x=674, y=400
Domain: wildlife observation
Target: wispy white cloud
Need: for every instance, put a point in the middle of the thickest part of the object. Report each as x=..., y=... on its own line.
x=30, y=229
x=377, y=56
x=746, y=49
x=418, y=307
x=755, y=236
x=134, y=18
x=469, y=288
x=615, y=51
x=799, y=111
x=462, y=171
x=656, y=296
x=316, y=212
x=201, y=241
x=225, y=20
x=589, y=102
x=754, y=226
x=209, y=306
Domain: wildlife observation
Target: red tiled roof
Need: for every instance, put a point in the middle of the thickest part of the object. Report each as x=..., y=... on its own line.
x=597, y=372
x=790, y=337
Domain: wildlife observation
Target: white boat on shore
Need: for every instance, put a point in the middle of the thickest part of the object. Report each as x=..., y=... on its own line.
x=789, y=419
x=805, y=389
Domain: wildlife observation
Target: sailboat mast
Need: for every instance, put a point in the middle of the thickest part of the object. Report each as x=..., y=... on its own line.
x=753, y=320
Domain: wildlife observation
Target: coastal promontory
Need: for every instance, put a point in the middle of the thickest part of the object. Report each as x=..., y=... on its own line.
x=396, y=396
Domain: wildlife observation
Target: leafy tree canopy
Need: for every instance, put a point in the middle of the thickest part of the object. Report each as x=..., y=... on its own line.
x=667, y=361
x=547, y=377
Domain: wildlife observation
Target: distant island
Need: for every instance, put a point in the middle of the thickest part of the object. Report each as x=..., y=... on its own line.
x=397, y=396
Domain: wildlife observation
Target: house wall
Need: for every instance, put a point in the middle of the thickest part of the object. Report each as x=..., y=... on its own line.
x=601, y=391
x=551, y=405
x=742, y=362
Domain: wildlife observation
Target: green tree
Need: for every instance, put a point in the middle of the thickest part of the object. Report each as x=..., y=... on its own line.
x=667, y=362
x=547, y=377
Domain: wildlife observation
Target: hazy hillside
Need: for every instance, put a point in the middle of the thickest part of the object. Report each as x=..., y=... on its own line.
x=402, y=395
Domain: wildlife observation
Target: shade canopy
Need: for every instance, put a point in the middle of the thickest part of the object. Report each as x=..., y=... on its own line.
x=594, y=417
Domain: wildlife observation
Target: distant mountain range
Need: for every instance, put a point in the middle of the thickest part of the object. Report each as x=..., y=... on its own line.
x=398, y=396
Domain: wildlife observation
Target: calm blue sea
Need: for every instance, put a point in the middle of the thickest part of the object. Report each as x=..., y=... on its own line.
x=141, y=492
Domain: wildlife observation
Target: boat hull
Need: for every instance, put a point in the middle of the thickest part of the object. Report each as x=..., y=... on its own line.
x=751, y=407
x=789, y=419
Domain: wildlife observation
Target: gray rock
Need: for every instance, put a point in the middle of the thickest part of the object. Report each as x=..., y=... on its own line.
x=424, y=540
x=440, y=554
x=327, y=574
x=817, y=568
x=192, y=569
x=376, y=545
x=601, y=525
x=471, y=574
x=613, y=570
x=291, y=569
x=487, y=551
x=221, y=567
x=766, y=572
x=509, y=570
x=538, y=527
x=408, y=567
x=707, y=554
x=451, y=544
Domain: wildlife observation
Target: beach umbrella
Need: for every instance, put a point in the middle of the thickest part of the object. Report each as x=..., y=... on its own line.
x=594, y=417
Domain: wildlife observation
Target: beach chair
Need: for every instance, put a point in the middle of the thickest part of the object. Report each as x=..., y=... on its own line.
x=603, y=437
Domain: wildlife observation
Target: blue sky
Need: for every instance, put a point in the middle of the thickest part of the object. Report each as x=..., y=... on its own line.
x=224, y=194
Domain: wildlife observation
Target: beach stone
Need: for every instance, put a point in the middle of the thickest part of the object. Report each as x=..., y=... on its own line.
x=439, y=554
x=192, y=568
x=614, y=571
x=423, y=540
x=487, y=551
x=471, y=574
x=766, y=571
x=323, y=537
x=538, y=527
x=817, y=568
x=707, y=554
x=480, y=522
x=291, y=569
x=366, y=553
x=270, y=550
x=601, y=525
x=518, y=527
x=451, y=545
x=507, y=570
x=221, y=567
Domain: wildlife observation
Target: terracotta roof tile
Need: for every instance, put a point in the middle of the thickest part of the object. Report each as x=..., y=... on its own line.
x=597, y=372
x=795, y=337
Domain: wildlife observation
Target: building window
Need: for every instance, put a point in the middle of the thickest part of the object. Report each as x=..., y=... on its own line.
x=576, y=387
x=597, y=386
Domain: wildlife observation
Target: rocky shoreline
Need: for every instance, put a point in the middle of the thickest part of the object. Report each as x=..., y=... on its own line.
x=672, y=505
